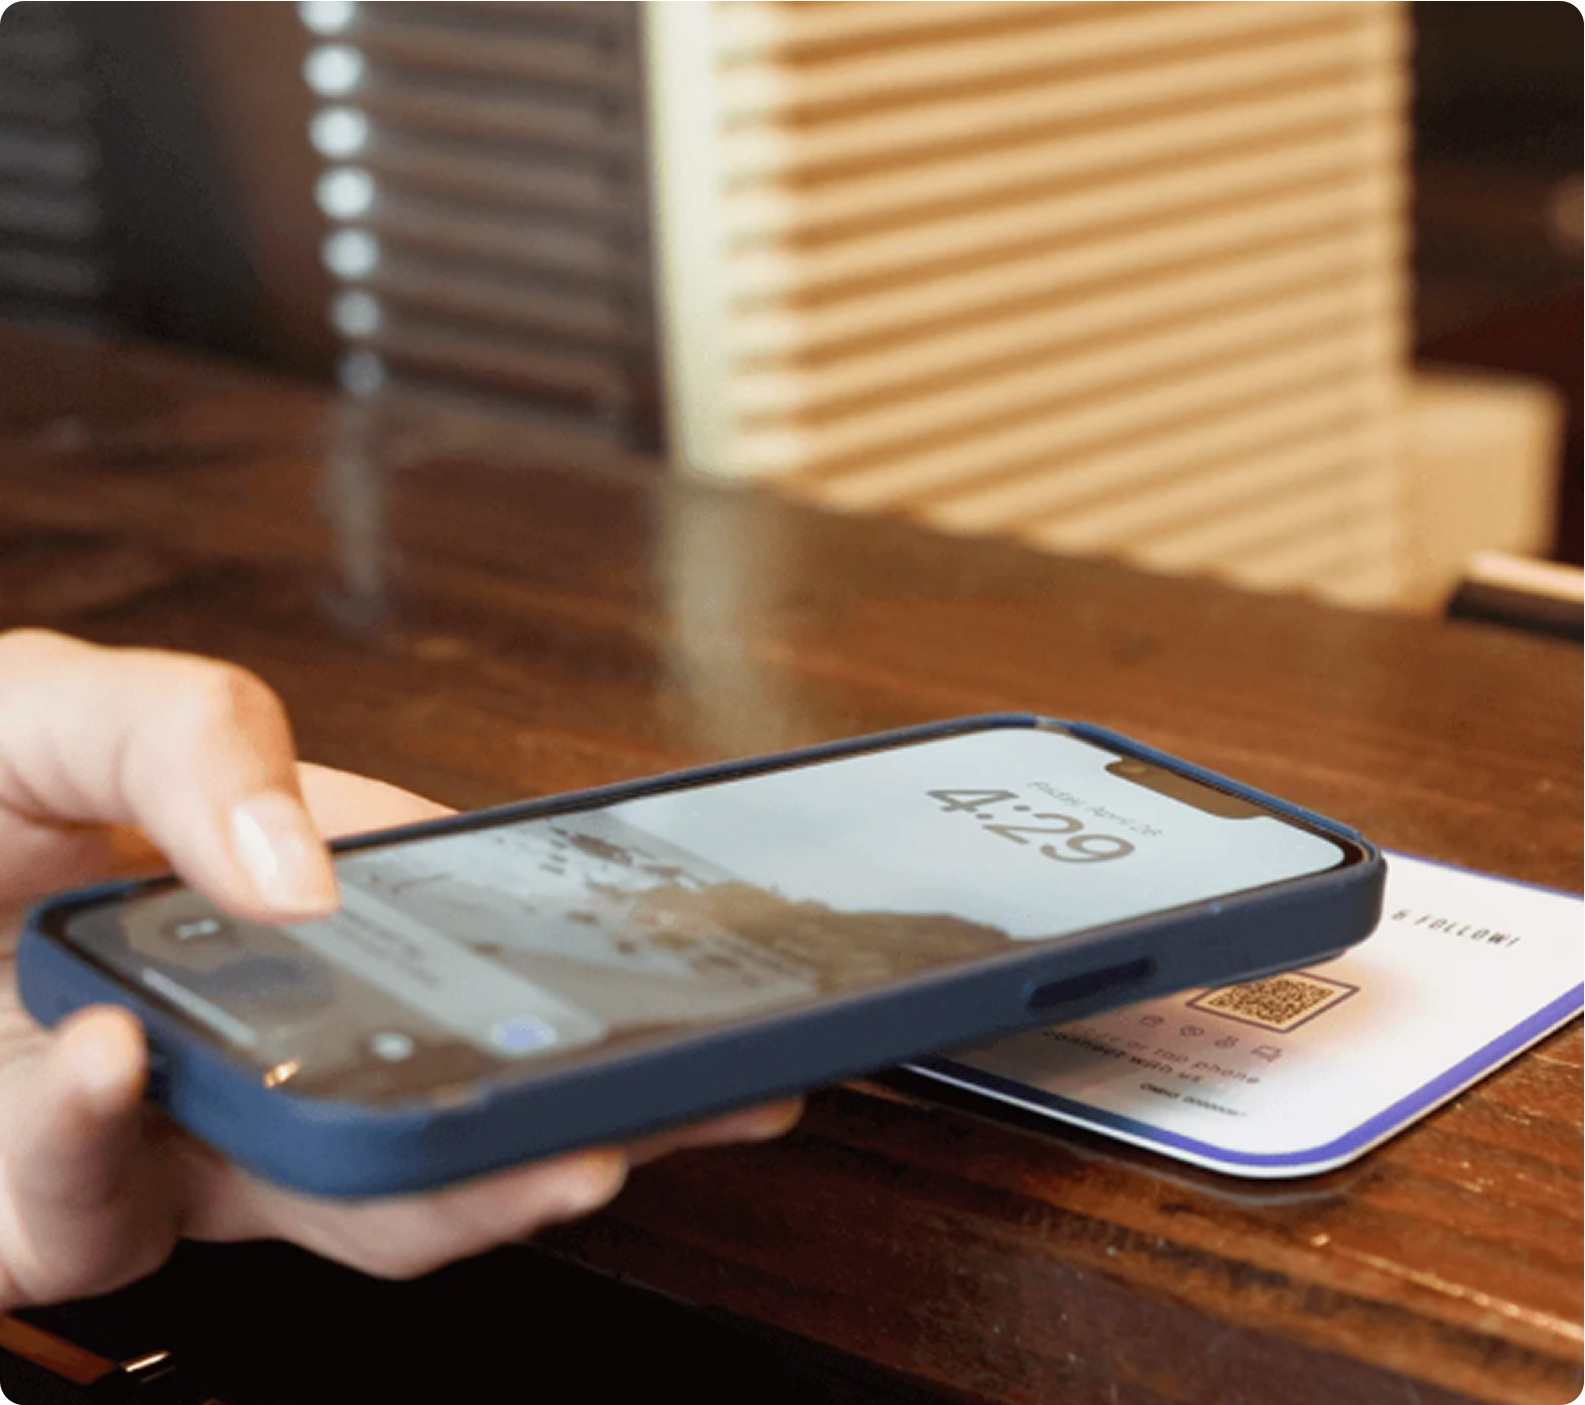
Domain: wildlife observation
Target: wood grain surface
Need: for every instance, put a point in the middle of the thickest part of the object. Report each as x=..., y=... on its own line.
x=469, y=613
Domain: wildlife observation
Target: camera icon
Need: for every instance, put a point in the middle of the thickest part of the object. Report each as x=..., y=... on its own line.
x=522, y=1034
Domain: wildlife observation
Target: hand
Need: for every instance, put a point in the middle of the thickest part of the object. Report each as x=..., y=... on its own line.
x=108, y=759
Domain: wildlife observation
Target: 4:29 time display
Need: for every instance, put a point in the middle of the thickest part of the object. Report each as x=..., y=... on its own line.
x=1077, y=845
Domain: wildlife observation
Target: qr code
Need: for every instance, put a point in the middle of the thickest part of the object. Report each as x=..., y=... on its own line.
x=1276, y=1002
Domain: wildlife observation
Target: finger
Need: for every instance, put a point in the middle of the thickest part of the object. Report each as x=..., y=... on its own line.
x=38, y=858
x=71, y=1218
x=403, y=1237
x=196, y=753
x=53, y=857
x=755, y=1124
x=342, y=803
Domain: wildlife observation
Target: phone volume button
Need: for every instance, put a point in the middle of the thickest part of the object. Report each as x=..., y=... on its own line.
x=159, y=1073
x=1052, y=995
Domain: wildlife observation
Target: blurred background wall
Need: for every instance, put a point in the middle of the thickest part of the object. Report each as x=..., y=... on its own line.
x=155, y=176
x=1289, y=293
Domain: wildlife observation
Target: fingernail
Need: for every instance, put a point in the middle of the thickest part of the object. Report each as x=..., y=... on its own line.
x=602, y=1175
x=768, y=1123
x=276, y=843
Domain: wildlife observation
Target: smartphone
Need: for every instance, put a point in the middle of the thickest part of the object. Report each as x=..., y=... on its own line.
x=521, y=981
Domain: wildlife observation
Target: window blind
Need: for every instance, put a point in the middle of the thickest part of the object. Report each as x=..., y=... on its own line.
x=486, y=184
x=53, y=256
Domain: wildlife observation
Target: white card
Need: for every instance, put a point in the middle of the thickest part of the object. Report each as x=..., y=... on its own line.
x=1304, y=1072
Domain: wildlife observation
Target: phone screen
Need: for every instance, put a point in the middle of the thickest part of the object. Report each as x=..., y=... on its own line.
x=565, y=937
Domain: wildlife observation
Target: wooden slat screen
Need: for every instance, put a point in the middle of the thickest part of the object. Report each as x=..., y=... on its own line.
x=1118, y=278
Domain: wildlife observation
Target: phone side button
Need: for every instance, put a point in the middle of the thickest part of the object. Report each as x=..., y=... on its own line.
x=159, y=1074
x=1052, y=995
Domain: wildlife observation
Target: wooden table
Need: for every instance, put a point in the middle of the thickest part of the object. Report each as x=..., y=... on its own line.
x=467, y=612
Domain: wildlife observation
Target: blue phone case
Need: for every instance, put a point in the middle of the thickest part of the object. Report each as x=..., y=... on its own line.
x=342, y=1149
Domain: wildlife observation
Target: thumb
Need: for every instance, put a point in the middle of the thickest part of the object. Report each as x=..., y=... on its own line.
x=73, y=1215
